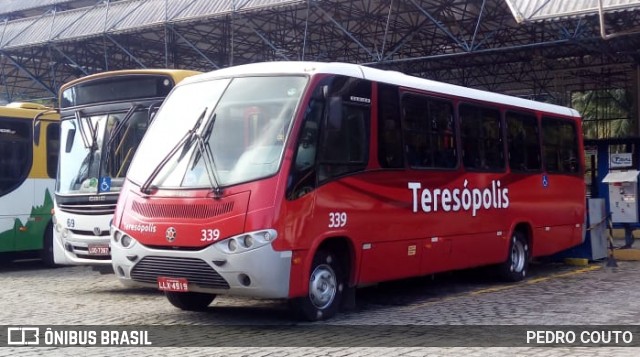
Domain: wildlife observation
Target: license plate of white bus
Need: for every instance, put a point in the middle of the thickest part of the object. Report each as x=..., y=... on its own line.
x=173, y=284
x=98, y=249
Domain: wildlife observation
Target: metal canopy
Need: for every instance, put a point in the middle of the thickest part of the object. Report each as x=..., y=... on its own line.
x=475, y=43
x=537, y=10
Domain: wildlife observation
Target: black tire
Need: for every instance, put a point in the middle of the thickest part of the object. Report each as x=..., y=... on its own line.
x=190, y=301
x=46, y=254
x=517, y=263
x=326, y=284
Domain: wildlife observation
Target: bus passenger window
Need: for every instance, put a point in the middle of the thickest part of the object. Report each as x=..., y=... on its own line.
x=481, y=138
x=428, y=130
x=560, y=146
x=15, y=153
x=523, y=142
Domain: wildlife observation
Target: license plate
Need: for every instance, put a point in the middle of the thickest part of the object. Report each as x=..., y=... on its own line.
x=98, y=249
x=173, y=284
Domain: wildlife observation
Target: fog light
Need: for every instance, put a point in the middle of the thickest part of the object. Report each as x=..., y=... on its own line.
x=247, y=241
x=126, y=241
x=244, y=279
x=232, y=245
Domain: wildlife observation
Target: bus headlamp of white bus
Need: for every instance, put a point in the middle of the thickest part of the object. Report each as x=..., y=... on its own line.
x=65, y=233
x=246, y=241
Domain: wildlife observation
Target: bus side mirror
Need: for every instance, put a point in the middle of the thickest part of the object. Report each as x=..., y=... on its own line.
x=36, y=131
x=334, y=120
x=69, y=144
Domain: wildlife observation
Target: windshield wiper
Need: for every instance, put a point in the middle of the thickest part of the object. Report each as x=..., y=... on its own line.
x=114, y=133
x=186, y=141
x=121, y=125
x=83, y=131
x=204, y=151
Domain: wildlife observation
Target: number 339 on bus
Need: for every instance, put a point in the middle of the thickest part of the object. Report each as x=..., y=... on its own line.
x=337, y=219
x=209, y=235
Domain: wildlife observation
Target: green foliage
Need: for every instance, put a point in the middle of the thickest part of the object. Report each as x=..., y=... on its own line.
x=605, y=113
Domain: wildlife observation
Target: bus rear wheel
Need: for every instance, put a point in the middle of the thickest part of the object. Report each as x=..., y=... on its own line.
x=190, y=301
x=515, y=268
x=326, y=283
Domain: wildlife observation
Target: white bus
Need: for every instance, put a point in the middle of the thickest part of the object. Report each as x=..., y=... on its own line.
x=103, y=118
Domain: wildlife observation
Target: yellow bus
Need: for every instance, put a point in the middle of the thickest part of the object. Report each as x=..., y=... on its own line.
x=29, y=145
x=103, y=118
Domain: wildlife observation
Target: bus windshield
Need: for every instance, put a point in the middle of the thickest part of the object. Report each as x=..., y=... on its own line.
x=97, y=150
x=242, y=123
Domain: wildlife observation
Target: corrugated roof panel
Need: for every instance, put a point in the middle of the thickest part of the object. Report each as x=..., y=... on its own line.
x=20, y=30
x=136, y=14
x=119, y=16
x=81, y=23
x=537, y=10
x=200, y=8
x=36, y=33
x=9, y=6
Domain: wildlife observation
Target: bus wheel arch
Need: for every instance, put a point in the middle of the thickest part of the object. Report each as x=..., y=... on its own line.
x=329, y=275
x=516, y=265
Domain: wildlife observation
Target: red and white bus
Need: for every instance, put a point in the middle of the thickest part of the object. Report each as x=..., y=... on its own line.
x=301, y=180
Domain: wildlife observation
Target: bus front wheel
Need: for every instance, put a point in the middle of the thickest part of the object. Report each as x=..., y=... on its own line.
x=46, y=254
x=515, y=268
x=190, y=301
x=326, y=283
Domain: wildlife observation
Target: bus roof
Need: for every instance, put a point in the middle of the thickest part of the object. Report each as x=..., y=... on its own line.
x=390, y=77
x=28, y=111
x=176, y=74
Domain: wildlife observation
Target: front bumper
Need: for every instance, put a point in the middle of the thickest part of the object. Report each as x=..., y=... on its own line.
x=259, y=272
x=71, y=245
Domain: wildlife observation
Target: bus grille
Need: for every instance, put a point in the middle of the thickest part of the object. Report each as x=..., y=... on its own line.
x=195, y=270
x=88, y=209
x=155, y=210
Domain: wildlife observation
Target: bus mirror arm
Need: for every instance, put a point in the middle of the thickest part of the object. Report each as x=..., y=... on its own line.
x=37, y=124
x=153, y=110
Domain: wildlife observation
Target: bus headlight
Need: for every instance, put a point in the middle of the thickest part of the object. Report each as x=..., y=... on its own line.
x=232, y=245
x=116, y=236
x=65, y=233
x=126, y=241
x=246, y=241
x=58, y=228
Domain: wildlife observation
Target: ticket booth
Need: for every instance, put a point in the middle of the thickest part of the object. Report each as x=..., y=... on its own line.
x=623, y=195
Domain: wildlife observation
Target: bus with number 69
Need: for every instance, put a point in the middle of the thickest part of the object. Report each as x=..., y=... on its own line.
x=29, y=141
x=304, y=181
x=103, y=119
